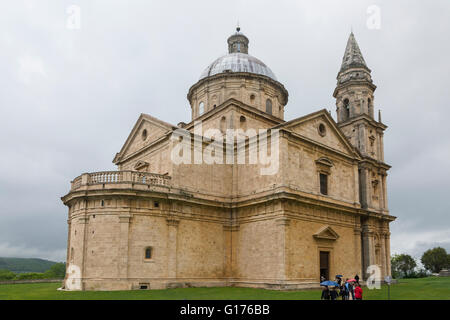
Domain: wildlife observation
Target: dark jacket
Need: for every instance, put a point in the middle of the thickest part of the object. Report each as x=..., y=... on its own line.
x=325, y=295
x=333, y=294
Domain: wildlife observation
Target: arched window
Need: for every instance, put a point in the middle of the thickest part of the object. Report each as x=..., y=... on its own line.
x=369, y=106
x=346, y=110
x=269, y=106
x=201, y=108
x=148, y=253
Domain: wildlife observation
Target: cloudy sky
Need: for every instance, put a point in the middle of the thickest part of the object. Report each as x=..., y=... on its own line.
x=69, y=96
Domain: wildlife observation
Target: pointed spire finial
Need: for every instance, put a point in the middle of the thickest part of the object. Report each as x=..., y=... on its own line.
x=352, y=56
x=238, y=28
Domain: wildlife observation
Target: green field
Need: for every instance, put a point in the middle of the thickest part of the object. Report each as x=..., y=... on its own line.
x=418, y=289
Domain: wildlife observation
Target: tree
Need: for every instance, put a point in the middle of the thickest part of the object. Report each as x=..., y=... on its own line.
x=56, y=271
x=435, y=259
x=7, y=275
x=402, y=265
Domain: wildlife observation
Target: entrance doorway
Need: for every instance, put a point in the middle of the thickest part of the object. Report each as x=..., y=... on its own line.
x=325, y=264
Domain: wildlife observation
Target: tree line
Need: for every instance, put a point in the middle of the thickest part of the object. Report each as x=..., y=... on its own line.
x=56, y=271
x=433, y=260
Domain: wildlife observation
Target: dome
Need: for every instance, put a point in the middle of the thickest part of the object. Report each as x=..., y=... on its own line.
x=238, y=62
x=238, y=59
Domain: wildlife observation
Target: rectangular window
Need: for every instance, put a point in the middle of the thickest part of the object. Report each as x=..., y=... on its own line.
x=148, y=253
x=323, y=184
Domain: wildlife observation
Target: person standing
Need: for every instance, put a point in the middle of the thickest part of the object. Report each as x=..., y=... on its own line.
x=351, y=291
x=333, y=294
x=346, y=290
x=358, y=292
x=357, y=279
x=325, y=293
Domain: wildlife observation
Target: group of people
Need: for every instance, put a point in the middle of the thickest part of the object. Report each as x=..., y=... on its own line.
x=348, y=290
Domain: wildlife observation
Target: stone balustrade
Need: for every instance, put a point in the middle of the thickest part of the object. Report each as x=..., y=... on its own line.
x=117, y=177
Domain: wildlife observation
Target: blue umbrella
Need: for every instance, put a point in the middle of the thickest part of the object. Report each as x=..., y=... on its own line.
x=329, y=283
x=339, y=276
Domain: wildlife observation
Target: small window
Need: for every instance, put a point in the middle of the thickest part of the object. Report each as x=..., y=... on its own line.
x=252, y=97
x=156, y=204
x=144, y=286
x=102, y=203
x=346, y=109
x=144, y=134
x=243, y=123
x=323, y=183
x=269, y=106
x=201, y=108
x=322, y=130
x=148, y=253
x=238, y=47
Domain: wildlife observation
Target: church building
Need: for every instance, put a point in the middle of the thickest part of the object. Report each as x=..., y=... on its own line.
x=160, y=223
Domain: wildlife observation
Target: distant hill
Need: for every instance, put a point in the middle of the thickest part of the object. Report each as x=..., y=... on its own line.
x=20, y=265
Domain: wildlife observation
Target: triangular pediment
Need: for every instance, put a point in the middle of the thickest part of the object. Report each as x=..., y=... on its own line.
x=147, y=130
x=257, y=114
x=319, y=127
x=326, y=233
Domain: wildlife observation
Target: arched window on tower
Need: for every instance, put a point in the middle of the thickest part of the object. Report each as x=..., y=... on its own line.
x=201, y=108
x=369, y=106
x=269, y=106
x=346, y=110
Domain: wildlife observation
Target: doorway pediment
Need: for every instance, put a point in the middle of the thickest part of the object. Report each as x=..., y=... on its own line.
x=326, y=233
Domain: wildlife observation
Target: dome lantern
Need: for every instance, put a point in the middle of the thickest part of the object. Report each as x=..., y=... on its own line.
x=238, y=42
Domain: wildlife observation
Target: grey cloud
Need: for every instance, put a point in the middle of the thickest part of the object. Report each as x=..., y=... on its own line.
x=68, y=93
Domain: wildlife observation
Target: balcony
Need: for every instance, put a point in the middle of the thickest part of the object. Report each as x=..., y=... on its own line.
x=112, y=178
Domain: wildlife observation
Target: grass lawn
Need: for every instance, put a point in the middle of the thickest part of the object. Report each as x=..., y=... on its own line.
x=419, y=289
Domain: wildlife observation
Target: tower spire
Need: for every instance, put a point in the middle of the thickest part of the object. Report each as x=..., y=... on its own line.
x=355, y=88
x=353, y=57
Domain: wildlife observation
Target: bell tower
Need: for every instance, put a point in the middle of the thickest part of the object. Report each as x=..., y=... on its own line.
x=354, y=95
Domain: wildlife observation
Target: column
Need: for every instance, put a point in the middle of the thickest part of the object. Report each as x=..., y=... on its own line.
x=387, y=241
x=385, y=192
x=363, y=186
x=124, y=221
x=368, y=250
x=282, y=230
x=383, y=255
x=358, y=252
x=172, y=238
x=83, y=221
x=230, y=234
x=356, y=184
x=381, y=192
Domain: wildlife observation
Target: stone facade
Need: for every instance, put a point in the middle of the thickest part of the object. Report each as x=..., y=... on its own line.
x=156, y=224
